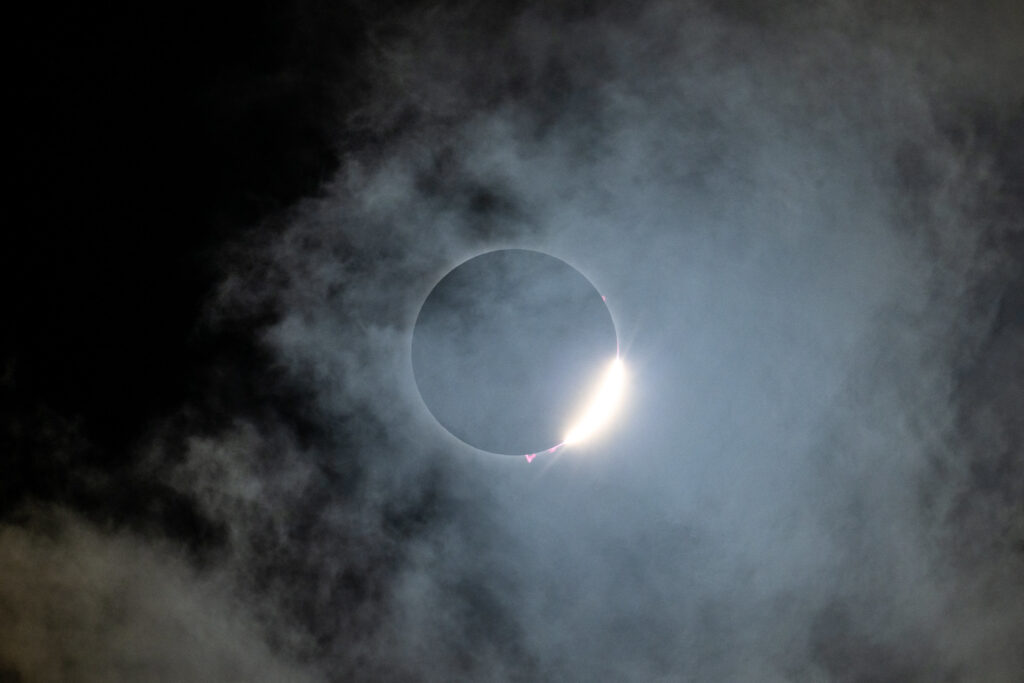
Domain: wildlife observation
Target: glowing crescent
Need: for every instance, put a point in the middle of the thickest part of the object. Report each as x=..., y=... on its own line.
x=601, y=406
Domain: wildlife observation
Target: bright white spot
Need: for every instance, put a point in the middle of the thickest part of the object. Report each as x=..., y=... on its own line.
x=601, y=406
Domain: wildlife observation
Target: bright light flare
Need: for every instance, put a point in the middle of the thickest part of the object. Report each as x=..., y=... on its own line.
x=601, y=407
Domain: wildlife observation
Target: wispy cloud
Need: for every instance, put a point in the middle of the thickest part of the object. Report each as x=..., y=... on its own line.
x=800, y=221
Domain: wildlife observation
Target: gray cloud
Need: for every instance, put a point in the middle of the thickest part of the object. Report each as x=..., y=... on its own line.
x=794, y=237
x=81, y=603
x=800, y=220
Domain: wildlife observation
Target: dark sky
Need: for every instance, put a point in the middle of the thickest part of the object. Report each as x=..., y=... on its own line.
x=221, y=222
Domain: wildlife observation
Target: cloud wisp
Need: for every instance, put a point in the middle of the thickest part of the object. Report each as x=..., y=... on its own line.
x=808, y=239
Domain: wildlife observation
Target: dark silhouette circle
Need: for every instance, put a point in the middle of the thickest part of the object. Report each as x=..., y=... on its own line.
x=506, y=346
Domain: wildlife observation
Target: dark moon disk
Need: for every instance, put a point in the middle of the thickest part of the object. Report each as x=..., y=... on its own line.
x=506, y=347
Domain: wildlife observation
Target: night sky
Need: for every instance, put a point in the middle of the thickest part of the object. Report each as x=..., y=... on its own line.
x=221, y=222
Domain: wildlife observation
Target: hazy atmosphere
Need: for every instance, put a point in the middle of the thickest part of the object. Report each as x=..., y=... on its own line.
x=807, y=223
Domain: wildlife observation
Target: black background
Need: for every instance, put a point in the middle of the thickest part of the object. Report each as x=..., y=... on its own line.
x=141, y=140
